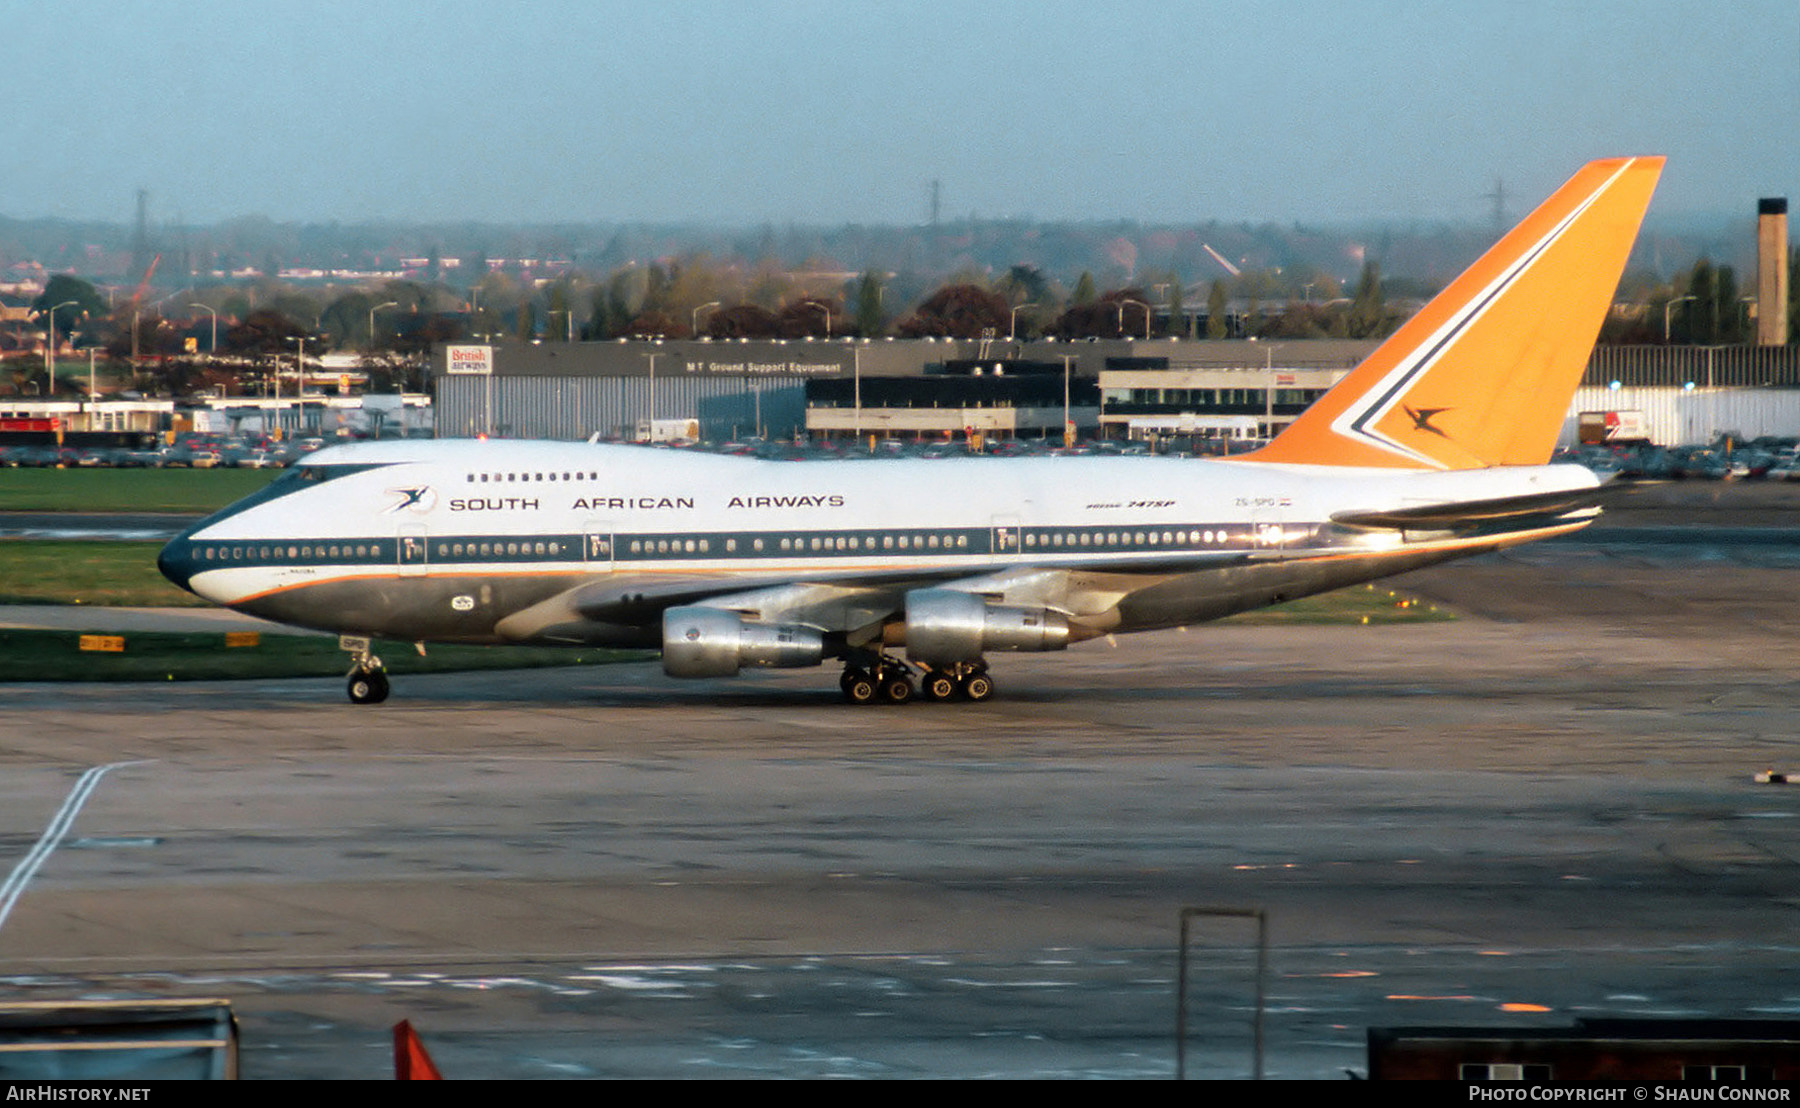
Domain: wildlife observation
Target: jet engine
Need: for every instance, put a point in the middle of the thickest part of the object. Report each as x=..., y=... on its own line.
x=712, y=642
x=945, y=627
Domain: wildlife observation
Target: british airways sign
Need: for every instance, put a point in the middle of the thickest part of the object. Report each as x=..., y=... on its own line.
x=478, y=360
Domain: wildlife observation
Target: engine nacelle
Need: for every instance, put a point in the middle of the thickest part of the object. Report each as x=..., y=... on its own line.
x=712, y=642
x=946, y=627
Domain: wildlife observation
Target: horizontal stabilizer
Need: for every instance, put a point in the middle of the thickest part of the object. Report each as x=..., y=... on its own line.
x=1460, y=513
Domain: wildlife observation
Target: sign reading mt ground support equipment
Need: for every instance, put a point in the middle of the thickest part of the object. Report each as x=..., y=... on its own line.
x=469, y=359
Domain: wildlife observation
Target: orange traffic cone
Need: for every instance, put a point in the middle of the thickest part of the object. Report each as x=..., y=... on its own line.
x=411, y=1062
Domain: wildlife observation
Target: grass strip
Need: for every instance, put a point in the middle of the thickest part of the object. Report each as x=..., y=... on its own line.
x=33, y=655
x=199, y=491
x=77, y=571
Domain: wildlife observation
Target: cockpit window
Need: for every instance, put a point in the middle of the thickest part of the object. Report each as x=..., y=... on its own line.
x=314, y=474
x=296, y=479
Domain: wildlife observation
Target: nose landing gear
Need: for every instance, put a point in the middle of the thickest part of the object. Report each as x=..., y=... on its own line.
x=368, y=685
x=368, y=681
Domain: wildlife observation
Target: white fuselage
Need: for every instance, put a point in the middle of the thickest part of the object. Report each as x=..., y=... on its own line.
x=552, y=514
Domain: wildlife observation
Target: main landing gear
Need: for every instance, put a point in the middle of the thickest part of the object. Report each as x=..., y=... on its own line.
x=891, y=681
x=368, y=682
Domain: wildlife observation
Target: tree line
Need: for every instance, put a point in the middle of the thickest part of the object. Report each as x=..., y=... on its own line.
x=180, y=337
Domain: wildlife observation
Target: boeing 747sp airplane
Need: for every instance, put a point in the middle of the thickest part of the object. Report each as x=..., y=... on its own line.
x=913, y=572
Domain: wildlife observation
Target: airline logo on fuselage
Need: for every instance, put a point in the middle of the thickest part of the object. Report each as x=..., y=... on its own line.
x=420, y=499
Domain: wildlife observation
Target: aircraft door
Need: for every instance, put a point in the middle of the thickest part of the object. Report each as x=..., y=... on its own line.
x=413, y=550
x=1006, y=536
x=1268, y=524
x=597, y=546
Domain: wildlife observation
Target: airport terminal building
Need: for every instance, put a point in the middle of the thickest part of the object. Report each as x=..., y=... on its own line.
x=926, y=389
x=911, y=389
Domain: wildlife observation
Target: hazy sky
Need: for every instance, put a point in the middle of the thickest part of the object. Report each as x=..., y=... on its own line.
x=743, y=111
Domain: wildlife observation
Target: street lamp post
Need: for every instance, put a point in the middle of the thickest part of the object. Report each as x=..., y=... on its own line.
x=695, y=316
x=826, y=308
x=299, y=379
x=1666, y=309
x=214, y=348
x=372, y=311
x=1068, y=427
x=1012, y=330
x=652, y=398
x=1269, y=391
x=50, y=346
x=1140, y=304
x=159, y=303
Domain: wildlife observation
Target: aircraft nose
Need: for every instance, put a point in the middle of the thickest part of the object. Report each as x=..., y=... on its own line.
x=176, y=560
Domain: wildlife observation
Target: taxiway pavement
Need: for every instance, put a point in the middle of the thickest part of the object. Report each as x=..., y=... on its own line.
x=1541, y=811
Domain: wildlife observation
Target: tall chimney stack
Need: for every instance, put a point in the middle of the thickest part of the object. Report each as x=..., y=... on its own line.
x=1771, y=271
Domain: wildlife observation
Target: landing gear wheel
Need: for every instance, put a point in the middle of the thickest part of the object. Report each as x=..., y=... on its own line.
x=859, y=687
x=368, y=686
x=896, y=688
x=977, y=687
x=938, y=686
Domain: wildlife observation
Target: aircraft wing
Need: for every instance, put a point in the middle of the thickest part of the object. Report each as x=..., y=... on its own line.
x=601, y=609
x=853, y=603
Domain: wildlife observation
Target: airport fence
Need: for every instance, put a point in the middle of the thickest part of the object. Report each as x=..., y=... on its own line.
x=1697, y=366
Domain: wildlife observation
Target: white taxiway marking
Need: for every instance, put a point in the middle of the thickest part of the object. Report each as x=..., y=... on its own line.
x=14, y=885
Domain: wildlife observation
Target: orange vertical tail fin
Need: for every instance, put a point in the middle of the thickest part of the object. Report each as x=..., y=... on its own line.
x=1482, y=375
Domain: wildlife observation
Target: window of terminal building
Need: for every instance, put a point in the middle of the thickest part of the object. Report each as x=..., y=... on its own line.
x=1502, y=1071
